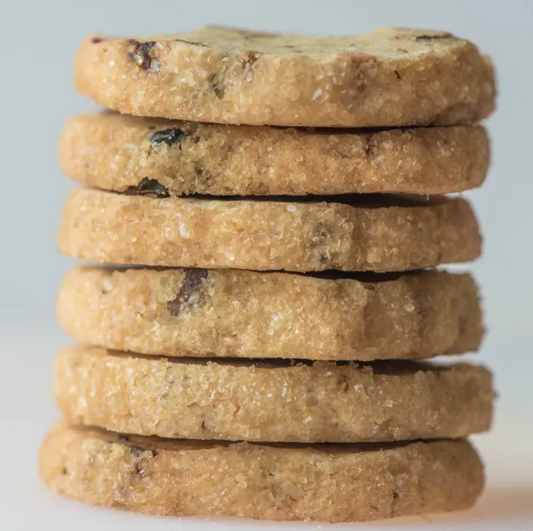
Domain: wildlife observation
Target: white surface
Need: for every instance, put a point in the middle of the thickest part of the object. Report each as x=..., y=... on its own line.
x=26, y=411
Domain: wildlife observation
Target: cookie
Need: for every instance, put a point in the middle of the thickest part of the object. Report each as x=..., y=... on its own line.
x=392, y=77
x=121, y=153
x=271, y=401
x=333, y=483
x=267, y=235
x=233, y=313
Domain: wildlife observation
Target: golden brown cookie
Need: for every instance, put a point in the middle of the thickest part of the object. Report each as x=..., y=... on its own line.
x=120, y=153
x=334, y=483
x=392, y=77
x=268, y=235
x=271, y=401
x=235, y=313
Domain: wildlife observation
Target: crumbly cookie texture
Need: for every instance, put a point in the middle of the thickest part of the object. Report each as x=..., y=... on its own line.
x=267, y=235
x=391, y=77
x=331, y=483
x=121, y=153
x=271, y=401
x=245, y=314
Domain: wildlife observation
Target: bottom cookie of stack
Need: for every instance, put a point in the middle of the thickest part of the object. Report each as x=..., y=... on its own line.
x=334, y=483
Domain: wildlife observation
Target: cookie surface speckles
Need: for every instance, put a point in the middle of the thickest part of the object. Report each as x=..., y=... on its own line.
x=330, y=483
x=392, y=77
x=235, y=313
x=116, y=153
x=267, y=235
x=271, y=401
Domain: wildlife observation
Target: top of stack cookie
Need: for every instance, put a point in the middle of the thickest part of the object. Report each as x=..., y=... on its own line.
x=388, y=78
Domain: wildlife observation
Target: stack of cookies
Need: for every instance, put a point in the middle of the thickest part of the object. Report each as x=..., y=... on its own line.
x=255, y=350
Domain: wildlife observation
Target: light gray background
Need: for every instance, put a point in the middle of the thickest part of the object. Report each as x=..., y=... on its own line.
x=38, y=39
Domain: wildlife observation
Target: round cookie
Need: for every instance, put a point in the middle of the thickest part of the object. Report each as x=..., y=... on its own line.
x=268, y=235
x=391, y=77
x=271, y=401
x=344, y=483
x=119, y=153
x=245, y=314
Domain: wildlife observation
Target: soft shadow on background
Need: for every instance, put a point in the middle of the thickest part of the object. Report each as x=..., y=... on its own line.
x=38, y=40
